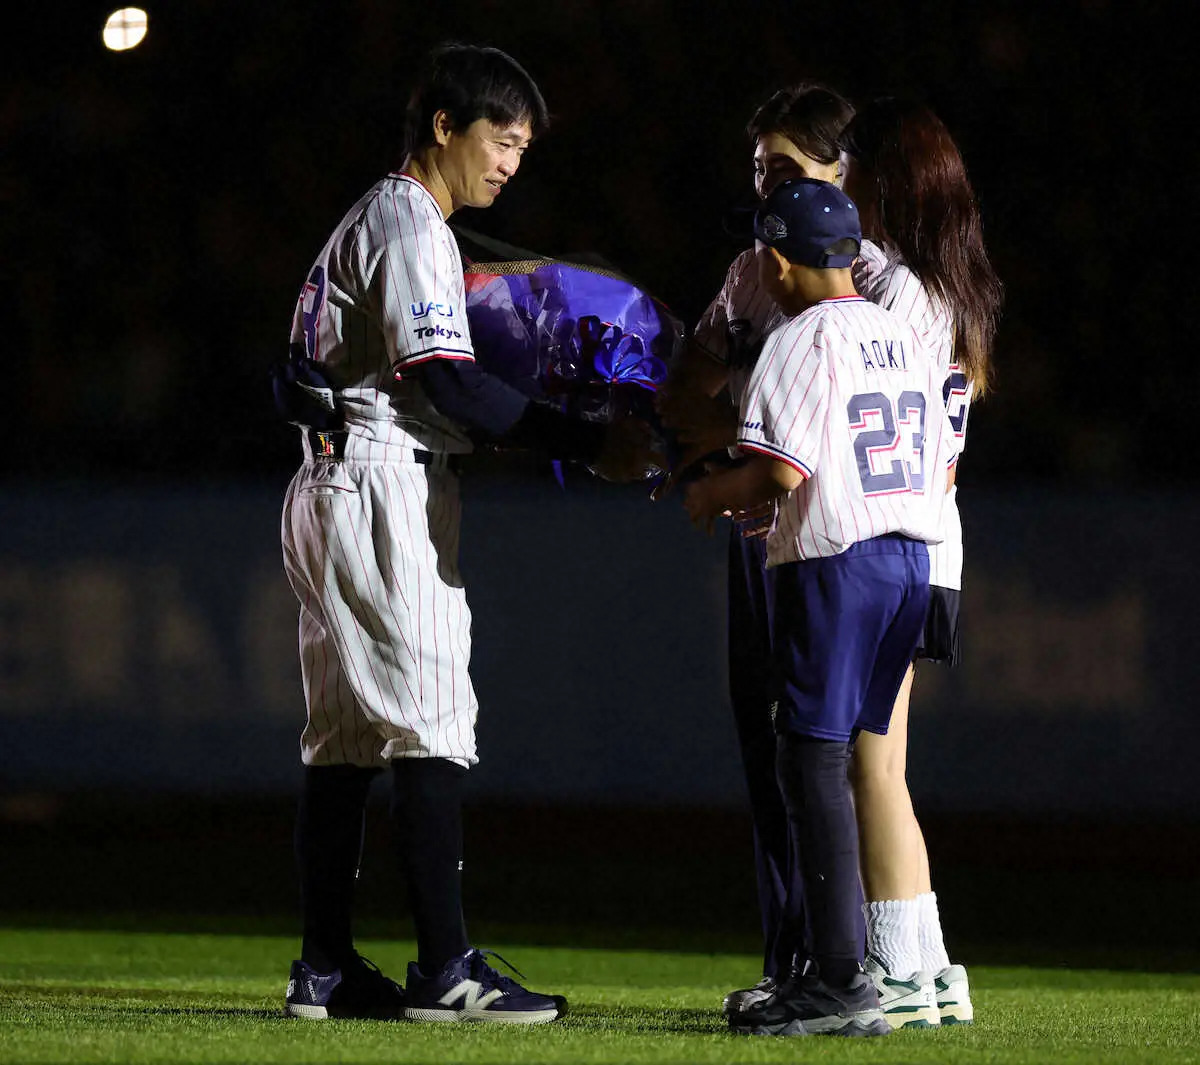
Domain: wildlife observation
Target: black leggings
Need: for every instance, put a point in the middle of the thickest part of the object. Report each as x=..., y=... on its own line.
x=813, y=779
x=426, y=814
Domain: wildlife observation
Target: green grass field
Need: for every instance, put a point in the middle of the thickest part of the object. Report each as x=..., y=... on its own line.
x=108, y=996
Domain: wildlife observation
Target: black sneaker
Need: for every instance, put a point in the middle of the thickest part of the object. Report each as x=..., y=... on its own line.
x=743, y=997
x=738, y=1000
x=807, y=1005
x=356, y=990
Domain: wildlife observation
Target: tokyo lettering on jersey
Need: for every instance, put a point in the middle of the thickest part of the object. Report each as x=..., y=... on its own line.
x=386, y=294
x=883, y=278
x=846, y=394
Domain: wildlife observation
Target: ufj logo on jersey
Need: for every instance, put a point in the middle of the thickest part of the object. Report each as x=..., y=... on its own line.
x=424, y=309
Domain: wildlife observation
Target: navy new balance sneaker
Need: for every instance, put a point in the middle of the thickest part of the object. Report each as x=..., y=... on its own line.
x=468, y=989
x=356, y=990
x=807, y=1005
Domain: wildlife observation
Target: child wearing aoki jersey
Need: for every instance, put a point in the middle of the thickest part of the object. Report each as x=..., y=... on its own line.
x=843, y=430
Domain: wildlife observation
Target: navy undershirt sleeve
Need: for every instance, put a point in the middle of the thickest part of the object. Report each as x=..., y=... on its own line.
x=547, y=429
x=489, y=407
x=477, y=400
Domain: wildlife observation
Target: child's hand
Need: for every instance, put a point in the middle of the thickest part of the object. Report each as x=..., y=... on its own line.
x=757, y=521
x=705, y=424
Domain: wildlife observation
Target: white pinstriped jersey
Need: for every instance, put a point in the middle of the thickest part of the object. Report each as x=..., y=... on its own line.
x=370, y=543
x=883, y=278
x=745, y=310
x=846, y=394
x=386, y=293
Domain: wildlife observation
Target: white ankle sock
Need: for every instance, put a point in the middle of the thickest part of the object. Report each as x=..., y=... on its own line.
x=929, y=933
x=892, y=935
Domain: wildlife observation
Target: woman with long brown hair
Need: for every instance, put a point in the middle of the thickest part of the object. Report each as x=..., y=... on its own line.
x=925, y=259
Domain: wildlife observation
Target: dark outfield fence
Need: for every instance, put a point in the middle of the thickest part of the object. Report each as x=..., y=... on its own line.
x=148, y=642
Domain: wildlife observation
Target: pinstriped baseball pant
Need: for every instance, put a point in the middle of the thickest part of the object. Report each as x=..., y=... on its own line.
x=371, y=551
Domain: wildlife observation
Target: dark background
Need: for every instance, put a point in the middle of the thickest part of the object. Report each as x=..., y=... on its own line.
x=163, y=205
x=161, y=208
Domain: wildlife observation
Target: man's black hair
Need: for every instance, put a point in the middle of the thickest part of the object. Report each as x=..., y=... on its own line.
x=470, y=82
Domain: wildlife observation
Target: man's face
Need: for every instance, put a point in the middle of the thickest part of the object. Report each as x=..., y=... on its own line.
x=777, y=159
x=479, y=160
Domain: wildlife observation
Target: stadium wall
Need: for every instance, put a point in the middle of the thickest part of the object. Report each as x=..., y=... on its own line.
x=149, y=645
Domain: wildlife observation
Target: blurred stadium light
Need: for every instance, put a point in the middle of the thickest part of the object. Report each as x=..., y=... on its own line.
x=125, y=29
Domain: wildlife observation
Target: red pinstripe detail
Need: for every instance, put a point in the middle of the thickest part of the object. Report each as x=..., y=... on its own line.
x=445, y=555
x=858, y=533
x=399, y=587
x=357, y=628
x=885, y=281
x=324, y=647
x=437, y=547
x=408, y=269
x=420, y=655
x=813, y=372
x=327, y=718
x=465, y=719
x=781, y=456
x=320, y=548
x=818, y=495
x=435, y=604
x=352, y=336
x=771, y=354
x=322, y=707
x=842, y=316
x=423, y=187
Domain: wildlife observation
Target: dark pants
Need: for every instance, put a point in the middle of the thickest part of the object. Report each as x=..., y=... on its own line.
x=754, y=692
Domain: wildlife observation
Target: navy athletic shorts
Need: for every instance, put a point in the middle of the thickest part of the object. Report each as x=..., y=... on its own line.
x=843, y=632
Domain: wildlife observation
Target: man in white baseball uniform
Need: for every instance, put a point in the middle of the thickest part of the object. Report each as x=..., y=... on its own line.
x=843, y=427
x=381, y=352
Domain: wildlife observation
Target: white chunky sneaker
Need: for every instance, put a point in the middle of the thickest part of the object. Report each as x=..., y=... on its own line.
x=953, y=995
x=908, y=1003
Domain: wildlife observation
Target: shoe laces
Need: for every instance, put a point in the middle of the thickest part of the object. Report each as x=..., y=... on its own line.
x=480, y=966
x=366, y=970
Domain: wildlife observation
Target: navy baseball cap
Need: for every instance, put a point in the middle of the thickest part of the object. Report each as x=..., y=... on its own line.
x=803, y=219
